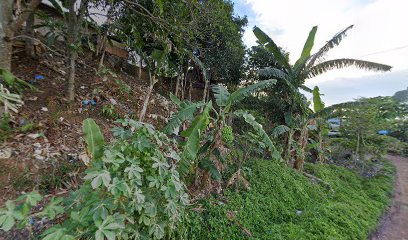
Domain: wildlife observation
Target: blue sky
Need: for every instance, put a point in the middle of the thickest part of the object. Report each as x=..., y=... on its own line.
x=379, y=27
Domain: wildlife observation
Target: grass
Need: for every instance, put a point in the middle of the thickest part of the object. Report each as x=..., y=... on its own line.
x=283, y=204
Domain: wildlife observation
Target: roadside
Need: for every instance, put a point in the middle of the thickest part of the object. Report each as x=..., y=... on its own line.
x=395, y=224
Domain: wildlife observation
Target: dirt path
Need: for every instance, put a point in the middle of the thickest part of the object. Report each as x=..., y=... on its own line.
x=395, y=224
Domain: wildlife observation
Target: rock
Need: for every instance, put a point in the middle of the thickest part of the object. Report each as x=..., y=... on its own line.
x=37, y=145
x=33, y=135
x=33, y=98
x=5, y=153
x=113, y=101
x=84, y=158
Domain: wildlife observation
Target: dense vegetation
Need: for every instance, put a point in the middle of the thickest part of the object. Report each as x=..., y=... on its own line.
x=252, y=158
x=283, y=204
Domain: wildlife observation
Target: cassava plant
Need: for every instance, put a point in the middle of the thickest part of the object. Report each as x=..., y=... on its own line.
x=132, y=190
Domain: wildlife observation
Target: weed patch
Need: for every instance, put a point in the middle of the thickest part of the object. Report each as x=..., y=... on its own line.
x=283, y=204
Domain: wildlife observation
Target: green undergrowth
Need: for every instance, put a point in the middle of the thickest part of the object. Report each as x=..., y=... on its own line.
x=283, y=204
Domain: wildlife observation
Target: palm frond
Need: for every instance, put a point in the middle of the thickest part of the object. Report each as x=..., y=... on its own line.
x=306, y=89
x=318, y=104
x=201, y=66
x=335, y=41
x=260, y=132
x=221, y=95
x=307, y=48
x=185, y=113
x=243, y=92
x=273, y=73
x=264, y=39
x=192, y=144
x=336, y=109
x=279, y=130
x=346, y=62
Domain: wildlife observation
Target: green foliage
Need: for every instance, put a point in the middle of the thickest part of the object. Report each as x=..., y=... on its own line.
x=241, y=93
x=289, y=99
x=318, y=104
x=283, y=204
x=261, y=133
x=193, y=153
x=362, y=120
x=123, y=86
x=279, y=130
x=185, y=113
x=10, y=101
x=94, y=138
x=14, y=83
x=227, y=134
x=133, y=191
x=5, y=126
x=192, y=145
x=17, y=211
x=109, y=111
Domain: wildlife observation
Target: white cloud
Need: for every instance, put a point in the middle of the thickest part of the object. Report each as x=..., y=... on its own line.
x=379, y=25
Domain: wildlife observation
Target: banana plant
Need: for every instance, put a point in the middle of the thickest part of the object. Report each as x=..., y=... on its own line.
x=202, y=148
x=308, y=65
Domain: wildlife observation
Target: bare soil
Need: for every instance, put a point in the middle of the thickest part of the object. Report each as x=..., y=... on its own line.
x=395, y=224
x=30, y=158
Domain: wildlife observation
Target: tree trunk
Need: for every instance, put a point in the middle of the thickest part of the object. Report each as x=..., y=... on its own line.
x=71, y=75
x=177, y=84
x=205, y=90
x=153, y=81
x=74, y=26
x=29, y=31
x=321, y=152
x=300, y=156
x=140, y=68
x=101, y=60
x=358, y=146
x=6, y=34
x=183, y=85
x=190, y=89
x=71, y=53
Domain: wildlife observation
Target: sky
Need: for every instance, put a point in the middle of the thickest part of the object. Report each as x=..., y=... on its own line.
x=380, y=34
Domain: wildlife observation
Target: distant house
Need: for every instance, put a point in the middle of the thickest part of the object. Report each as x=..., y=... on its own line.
x=113, y=47
x=334, y=125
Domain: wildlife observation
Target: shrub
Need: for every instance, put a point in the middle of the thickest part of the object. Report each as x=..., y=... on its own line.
x=132, y=191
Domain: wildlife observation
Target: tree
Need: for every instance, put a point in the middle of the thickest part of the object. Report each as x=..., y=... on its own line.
x=296, y=106
x=219, y=40
x=307, y=66
x=8, y=26
x=75, y=19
